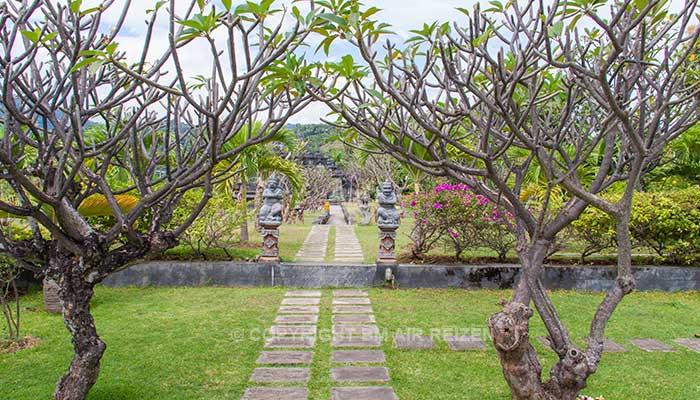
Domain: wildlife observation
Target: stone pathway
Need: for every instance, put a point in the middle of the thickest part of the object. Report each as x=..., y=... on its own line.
x=355, y=361
x=347, y=246
x=314, y=247
x=287, y=354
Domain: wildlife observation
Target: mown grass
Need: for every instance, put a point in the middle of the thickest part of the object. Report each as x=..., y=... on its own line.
x=196, y=343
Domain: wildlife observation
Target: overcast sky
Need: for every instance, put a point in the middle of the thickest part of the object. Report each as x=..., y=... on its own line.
x=403, y=15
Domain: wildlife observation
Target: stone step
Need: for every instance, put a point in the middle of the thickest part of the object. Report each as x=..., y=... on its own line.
x=349, y=293
x=280, y=375
x=413, y=342
x=270, y=393
x=290, y=342
x=303, y=293
x=297, y=319
x=285, y=357
x=363, y=393
x=299, y=310
x=356, y=341
x=351, y=301
x=352, y=310
x=360, y=374
x=358, y=356
x=293, y=330
x=355, y=330
x=302, y=301
x=354, y=319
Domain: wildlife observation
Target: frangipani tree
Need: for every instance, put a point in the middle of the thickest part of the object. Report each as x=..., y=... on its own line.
x=523, y=85
x=160, y=131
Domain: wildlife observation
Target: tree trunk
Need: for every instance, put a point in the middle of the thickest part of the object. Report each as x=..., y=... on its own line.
x=244, y=211
x=75, y=294
x=510, y=331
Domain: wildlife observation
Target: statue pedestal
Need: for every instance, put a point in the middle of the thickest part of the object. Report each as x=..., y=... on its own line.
x=270, y=240
x=387, y=245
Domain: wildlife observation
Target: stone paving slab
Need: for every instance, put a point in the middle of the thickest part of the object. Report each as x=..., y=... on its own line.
x=652, y=345
x=413, y=342
x=461, y=343
x=690, y=344
x=355, y=330
x=293, y=330
x=264, y=393
x=339, y=301
x=358, y=356
x=290, y=342
x=360, y=374
x=297, y=319
x=349, y=293
x=293, y=301
x=280, y=375
x=356, y=341
x=299, y=310
x=352, y=309
x=285, y=357
x=611, y=346
x=354, y=319
x=303, y=293
x=363, y=393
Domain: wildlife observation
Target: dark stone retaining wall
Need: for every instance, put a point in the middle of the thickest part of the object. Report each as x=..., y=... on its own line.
x=494, y=276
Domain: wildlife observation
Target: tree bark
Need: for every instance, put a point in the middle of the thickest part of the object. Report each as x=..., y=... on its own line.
x=75, y=294
x=510, y=333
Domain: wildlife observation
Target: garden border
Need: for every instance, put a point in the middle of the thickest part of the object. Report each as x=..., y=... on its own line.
x=319, y=275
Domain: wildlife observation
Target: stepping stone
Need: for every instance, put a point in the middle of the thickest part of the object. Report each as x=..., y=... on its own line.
x=413, y=342
x=363, y=393
x=301, y=302
x=296, y=319
x=299, y=310
x=358, y=356
x=276, y=394
x=285, y=357
x=279, y=375
x=349, y=293
x=356, y=341
x=360, y=374
x=354, y=319
x=290, y=342
x=293, y=330
x=355, y=330
x=690, y=344
x=303, y=293
x=351, y=301
x=461, y=343
x=610, y=346
x=352, y=309
x=651, y=345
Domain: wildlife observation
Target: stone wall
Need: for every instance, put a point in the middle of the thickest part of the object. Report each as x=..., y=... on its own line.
x=494, y=276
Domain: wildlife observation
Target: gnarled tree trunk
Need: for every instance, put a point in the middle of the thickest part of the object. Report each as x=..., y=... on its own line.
x=75, y=294
x=510, y=331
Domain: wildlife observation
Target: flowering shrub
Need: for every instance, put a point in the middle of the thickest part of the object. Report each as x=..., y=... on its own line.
x=459, y=217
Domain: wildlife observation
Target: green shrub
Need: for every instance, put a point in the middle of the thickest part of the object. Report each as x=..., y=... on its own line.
x=669, y=223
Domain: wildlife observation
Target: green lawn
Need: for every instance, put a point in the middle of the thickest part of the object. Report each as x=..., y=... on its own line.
x=195, y=343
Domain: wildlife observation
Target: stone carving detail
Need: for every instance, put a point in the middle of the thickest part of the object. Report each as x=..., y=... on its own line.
x=365, y=207
x=387, y=215
x=270, y=239
x=387, y=246
x=271, y=212
x=387, y=221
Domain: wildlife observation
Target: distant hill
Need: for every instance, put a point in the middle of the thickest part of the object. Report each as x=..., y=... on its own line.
x=315, y=135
